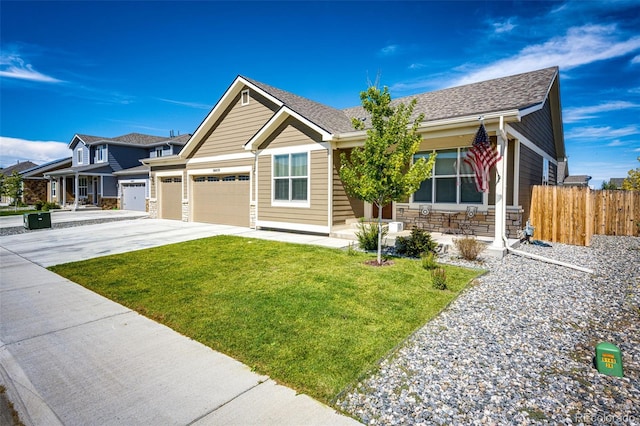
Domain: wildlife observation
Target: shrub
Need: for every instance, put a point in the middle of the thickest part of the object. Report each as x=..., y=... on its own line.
x=439, y=279
x=50, y=206
x=469, y=248
x=367, y=235
x=417, y=243
x=429, y=260
x=39, y=204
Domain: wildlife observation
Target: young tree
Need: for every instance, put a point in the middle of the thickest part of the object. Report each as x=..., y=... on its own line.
x=632, y=182
x=607, y=185
x=12, y=187
x=381, y=171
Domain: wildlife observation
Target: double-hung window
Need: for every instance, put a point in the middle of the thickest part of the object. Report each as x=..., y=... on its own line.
x=82, y=186
x=451, y=181
x=101, y=153
x=291, y=178
x=79, y=158
x=53, y=189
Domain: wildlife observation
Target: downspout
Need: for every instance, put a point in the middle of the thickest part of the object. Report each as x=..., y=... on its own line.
x=504, y=235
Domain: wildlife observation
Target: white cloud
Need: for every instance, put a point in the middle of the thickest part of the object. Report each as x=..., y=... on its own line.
x=503, y=27
x=616, y=142
x=571, y=115
x=13, y=66
x=188, y=104
x=39, y=152
x=579, y=46
x=605, y=132
x=389, y=50
x=636, y=59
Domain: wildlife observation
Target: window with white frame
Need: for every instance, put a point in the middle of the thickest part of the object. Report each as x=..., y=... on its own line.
x=451, y=181
x=244, y=97
x=291, y=177
x=79, y=158
x=82, y=186
x=53, y=189
x=545, y=171
x=159, y=150
x=101, y=153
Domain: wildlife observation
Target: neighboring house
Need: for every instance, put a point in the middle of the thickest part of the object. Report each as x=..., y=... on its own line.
x=617, y=182
x=8, y=171
x=577, y=180
x=267, y=158
x=106, y=172
x=36, y=187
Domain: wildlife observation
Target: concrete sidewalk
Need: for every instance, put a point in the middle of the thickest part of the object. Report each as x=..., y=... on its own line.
x=69, y=356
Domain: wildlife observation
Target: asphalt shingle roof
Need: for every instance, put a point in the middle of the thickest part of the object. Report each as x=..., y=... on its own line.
x=18, y=167
x=138, y=139
x=514, y=92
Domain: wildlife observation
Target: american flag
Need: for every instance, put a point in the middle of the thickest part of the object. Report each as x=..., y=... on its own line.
x=482, y=156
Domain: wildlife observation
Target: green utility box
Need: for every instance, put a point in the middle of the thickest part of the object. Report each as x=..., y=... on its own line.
x=609, y=359
x=38, y=220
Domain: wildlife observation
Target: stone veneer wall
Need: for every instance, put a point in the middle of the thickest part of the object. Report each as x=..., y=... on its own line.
x=153, y=209
x=34, y=191
x=482, y=224
x=108, y=203
x=185, y=211
x=252, y=215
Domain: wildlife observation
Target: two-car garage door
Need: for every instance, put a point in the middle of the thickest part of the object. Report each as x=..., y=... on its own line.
x=222, y=199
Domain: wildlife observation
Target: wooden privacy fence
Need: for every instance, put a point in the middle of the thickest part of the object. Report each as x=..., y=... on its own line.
x=571, y=215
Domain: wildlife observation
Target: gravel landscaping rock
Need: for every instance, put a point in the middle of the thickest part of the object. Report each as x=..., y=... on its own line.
x=517, y=346
x=21, y=229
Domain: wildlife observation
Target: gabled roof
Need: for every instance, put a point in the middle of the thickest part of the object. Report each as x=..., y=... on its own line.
x=331, y=119
x=137, y=170
x=517, y=95
x=43, y=168
x=516, y=92
x=577, y=180
x=130, y=139
x=18, y=167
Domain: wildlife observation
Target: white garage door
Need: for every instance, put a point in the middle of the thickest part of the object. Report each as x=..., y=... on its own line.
x=133, y=197
x=221, y=199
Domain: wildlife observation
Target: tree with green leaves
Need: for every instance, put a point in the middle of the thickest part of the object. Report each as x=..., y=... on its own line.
x=381, y=171
x=632, y=181
x=12, y=187
x=607, y=185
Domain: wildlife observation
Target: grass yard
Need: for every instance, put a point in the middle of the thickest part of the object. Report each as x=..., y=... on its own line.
x=312, y=318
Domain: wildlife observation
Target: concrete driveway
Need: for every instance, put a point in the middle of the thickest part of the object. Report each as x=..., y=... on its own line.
x=69, y=356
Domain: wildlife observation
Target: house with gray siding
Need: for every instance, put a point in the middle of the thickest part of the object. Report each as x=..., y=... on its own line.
x=267, y=158
x=107, y=172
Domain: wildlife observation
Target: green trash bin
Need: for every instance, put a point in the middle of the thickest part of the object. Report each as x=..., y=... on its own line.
x=609, y=359
x=38, y=220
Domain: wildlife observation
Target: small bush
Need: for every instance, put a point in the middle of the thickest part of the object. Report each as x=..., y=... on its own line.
x=416, y=244
x=367, y=235
x=49, y=206
x=469, y=248
x=429, y=261
x=39, y=204
x=439, y=279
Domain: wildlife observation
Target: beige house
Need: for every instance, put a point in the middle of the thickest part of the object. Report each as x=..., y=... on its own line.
x=267, y=158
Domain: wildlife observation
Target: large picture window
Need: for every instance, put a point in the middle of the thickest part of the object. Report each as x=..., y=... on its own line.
x=451, y=180
x=291, y=177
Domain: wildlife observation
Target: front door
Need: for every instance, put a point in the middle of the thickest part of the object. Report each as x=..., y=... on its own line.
x=387, y=211
x=95, y=191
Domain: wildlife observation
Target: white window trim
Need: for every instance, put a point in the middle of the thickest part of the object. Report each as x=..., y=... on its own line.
x=291, y=203
x=105, y=155
x=85, y=186
x=53, y=189
x=245, y=95
x=458, y=206
x=80, y=156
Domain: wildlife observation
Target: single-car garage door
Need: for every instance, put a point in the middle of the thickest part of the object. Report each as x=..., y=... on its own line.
x=221, y=199
x=171, y=198
x=134, y=197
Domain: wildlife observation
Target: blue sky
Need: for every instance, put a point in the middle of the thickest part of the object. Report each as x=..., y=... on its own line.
x=111, y=68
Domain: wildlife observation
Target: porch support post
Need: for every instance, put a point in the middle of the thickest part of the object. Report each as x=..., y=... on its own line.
x=64, y=191
x=76, y=183
x=498, y=248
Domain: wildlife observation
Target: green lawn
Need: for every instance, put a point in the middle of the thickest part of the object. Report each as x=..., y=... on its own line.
x=312, y=318
x=10, y=211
